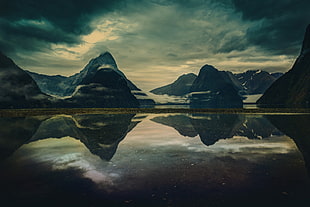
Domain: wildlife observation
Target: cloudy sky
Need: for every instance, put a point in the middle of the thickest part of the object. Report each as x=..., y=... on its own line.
x=153, y=41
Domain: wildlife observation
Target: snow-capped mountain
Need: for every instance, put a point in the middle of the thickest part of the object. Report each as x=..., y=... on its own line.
x=256, y=81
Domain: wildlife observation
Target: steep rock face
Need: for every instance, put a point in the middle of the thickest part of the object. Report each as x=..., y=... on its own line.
x=212, y=89
x=293, y=88
x=277, y=74
x=230, y=77
x=180, y=87
x=18, y=89
x=256, y=81
x=56, y=85
x=106, y=88
x=104, y=60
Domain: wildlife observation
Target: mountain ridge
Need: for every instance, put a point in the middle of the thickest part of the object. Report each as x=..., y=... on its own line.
x=62, y=86
x=293, y=88
x=18, y=89
x=179, y=87
x=250, y=82
x=95, y=86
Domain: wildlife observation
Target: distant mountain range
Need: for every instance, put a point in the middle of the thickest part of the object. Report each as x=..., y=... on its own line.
x=218, y=89
x=100, y=84
x=256, y=81
x=247, y=83
x=293, y=88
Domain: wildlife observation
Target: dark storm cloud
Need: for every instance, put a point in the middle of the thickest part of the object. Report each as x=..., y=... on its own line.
x=280, y=24
x=69, y=15
x=30, y=24
x=32, y=35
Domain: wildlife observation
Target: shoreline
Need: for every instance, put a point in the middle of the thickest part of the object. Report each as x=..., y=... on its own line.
x=69, y=111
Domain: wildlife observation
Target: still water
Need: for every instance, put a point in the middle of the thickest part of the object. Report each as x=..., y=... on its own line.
x=155, y=160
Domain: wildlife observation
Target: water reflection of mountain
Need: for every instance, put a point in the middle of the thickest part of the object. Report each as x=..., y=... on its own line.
x=100, y=133
x=296, y=127
x=213, y=127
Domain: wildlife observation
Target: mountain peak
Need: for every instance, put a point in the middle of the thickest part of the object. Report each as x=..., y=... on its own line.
x=187, y=75
x=105, y=59
x=306, y=43
x=209, y=68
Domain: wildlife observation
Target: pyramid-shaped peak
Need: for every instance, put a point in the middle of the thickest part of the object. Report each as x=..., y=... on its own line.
x=105, y=54
x=306, y=42
x=104, y=59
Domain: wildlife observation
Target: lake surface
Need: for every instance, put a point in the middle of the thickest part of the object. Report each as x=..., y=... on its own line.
x=155, y=160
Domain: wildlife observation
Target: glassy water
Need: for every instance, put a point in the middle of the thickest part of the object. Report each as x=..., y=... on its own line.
x=155, y=160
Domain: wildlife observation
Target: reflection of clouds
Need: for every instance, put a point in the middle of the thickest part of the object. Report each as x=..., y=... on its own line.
x=165, y=138
x=66, y=153
x=270, y=145
x=244, y=148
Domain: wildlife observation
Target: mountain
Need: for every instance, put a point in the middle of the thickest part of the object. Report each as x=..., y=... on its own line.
x=250, y=82
x=18, y=89
x=277, y=75
x=293, y=88
x=230, y=77
x=66, y=86
x=106, y=88
x=256, y=81
x=56, y=85
x=179, y=87
x=213, y=89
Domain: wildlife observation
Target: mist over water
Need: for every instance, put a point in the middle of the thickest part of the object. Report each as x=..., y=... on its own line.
x=154, y=160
